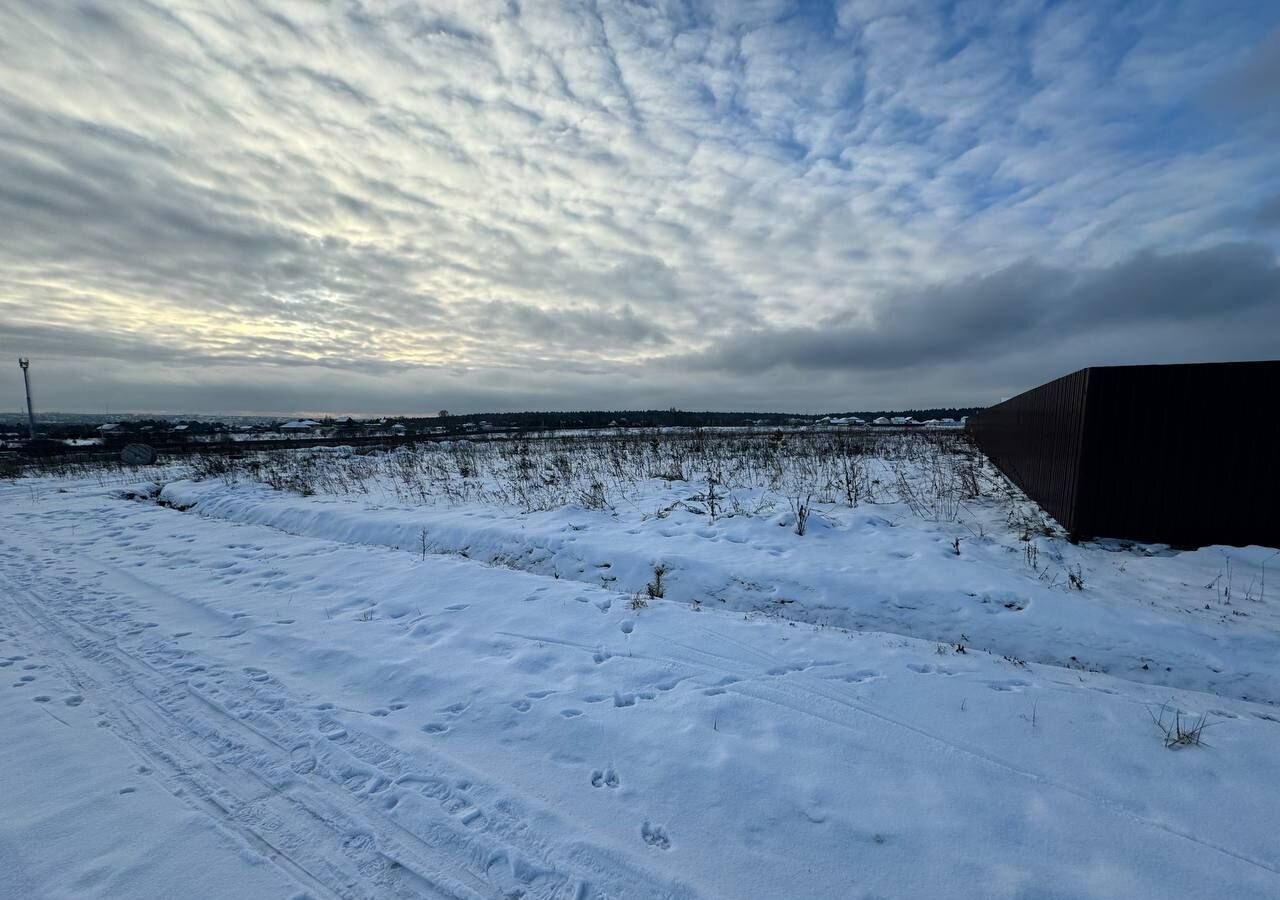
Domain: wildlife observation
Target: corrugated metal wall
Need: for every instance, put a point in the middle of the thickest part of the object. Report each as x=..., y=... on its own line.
x=1035, y=438
x=1183, y=454
x=1178, y=454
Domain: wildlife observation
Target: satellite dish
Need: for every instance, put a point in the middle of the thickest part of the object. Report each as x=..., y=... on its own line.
x=138, y=455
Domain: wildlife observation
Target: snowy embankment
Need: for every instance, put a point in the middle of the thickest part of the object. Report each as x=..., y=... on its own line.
x=295, y=697
x=1147, y=614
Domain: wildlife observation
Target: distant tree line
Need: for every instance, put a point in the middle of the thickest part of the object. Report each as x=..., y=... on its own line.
x=170, y=430
x=662, y=418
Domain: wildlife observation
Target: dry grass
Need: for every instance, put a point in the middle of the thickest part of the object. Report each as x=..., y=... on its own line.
x=1179, y=729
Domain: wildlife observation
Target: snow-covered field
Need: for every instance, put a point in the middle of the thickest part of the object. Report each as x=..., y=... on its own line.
x=594, y=668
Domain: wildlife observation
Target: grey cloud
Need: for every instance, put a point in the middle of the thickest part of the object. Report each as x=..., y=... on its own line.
x=1251, y=88
x=602, y=333
x=1258, y=80
x=1033, y=306
x=1266, y=214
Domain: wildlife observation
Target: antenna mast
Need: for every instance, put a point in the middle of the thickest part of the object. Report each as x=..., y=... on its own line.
x=23, y=363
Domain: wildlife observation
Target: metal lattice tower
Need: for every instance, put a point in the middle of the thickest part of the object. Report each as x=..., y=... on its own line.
x=24, y=363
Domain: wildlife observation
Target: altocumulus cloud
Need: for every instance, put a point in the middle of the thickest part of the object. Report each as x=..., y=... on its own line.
x=396, y=206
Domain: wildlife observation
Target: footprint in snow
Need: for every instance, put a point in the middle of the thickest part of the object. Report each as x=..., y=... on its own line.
x=859, y=677
x=655, y=836
x=784, y=670
x=720, y=686
x=332, y=730
x=357, y=840
x=604, y=778
x=628, y=626
x=426, y=785
x=927, y=669
x=355, y=781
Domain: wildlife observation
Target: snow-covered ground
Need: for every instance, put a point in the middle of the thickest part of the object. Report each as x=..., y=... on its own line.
x=373, y=693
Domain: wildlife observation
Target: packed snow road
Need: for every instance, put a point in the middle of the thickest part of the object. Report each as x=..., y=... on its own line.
x=281, y=716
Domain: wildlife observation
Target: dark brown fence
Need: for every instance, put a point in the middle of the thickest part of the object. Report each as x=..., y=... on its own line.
x=1187, y=455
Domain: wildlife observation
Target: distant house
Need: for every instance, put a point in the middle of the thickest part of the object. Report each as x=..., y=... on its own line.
x=110, y=428
x=881, y=421
x=299, y=426
x=398, y=429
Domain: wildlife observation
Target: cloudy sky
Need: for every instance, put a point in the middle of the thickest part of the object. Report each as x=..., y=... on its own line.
x=366, y=206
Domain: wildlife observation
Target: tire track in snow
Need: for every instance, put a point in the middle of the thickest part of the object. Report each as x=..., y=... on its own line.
x=349, y=816
x=217, y=774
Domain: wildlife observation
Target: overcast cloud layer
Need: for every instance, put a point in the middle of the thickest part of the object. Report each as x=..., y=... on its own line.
x=256, y=206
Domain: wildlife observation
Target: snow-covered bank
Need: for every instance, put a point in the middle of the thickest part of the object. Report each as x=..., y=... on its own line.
x=367, y=722
x=1163, y=617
